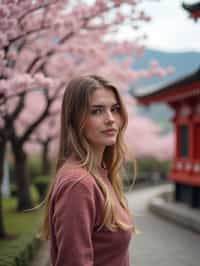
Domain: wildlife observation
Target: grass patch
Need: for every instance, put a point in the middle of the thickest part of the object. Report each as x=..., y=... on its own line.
x=24, y=226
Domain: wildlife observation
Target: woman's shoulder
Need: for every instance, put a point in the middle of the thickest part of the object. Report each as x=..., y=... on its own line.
x=74, y=175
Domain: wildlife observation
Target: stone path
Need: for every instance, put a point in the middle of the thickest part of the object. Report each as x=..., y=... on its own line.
x=160, y=242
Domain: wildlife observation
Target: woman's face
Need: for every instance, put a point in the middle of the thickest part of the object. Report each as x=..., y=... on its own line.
x=104, y=119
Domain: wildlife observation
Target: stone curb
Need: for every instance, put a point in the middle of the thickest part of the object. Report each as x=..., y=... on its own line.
x=179, y=213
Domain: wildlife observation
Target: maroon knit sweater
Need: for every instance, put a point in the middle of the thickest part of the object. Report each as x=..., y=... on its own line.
x=76, y=213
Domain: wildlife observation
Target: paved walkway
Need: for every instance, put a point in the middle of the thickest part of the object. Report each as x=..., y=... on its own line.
x=159, y=241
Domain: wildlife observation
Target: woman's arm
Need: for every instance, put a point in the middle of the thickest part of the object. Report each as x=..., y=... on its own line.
x=74, y=217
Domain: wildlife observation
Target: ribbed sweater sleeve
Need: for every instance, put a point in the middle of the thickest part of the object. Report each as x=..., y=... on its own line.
x=74, y=218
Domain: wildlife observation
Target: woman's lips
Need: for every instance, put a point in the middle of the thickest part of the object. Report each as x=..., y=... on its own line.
x=110, y=132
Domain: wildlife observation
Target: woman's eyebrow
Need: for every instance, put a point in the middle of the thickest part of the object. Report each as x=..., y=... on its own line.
x=102, y=105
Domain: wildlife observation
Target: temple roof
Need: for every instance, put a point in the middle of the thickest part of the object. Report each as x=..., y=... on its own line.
x=191, y=7
x=168, y=86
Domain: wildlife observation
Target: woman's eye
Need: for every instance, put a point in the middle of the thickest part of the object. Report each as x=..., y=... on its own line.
x=116, y=109
x=96, y=111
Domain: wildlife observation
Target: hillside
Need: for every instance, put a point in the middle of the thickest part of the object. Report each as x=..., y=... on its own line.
x=184, y=62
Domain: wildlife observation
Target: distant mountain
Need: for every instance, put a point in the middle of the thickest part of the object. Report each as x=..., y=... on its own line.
x=184, y=63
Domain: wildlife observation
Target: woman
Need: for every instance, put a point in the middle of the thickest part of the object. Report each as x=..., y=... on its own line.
x=87, y=218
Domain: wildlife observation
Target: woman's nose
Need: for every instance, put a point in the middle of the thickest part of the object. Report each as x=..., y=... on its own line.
x=109, y=116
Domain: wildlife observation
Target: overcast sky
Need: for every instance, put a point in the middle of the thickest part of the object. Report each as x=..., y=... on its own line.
x=171, y=29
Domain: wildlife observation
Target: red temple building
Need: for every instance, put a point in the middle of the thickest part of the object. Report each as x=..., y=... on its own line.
x=193, y=9
x=183, y=96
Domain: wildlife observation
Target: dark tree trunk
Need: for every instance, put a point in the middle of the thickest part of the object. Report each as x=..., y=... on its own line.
x=22, y=179
x=46, y=165
x=3, y=233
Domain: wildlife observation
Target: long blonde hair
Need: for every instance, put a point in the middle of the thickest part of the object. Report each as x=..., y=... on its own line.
x=75, y=108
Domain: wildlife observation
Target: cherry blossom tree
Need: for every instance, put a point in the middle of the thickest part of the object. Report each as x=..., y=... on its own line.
x=43, y=142
x=147, y=140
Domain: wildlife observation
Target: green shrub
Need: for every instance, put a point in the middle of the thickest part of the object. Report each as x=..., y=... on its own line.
x=13, y=190
x=11, y=171
x=145, y=168
x=148, y=165
x=42, y=183
x=24, y=226
x=34, y=192
x=34, y=165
